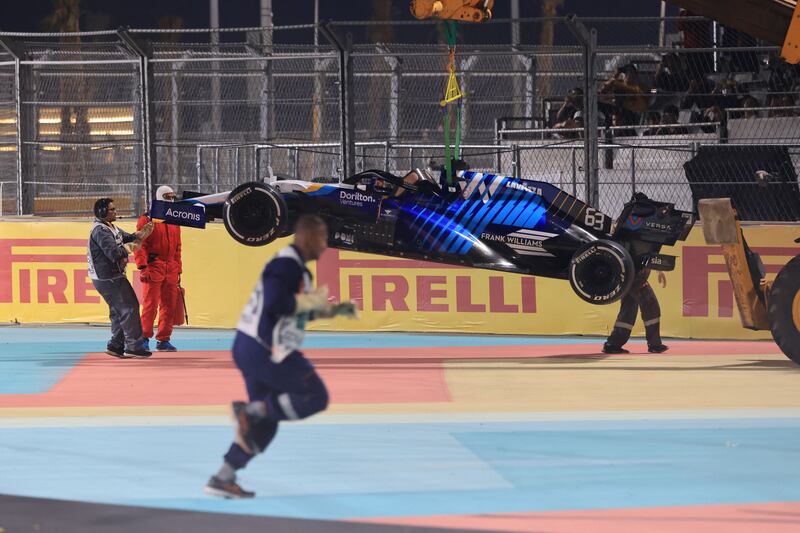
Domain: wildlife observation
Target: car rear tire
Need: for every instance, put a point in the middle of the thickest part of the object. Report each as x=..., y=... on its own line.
x=601, y=272
x=784, y=309
x=255, y=214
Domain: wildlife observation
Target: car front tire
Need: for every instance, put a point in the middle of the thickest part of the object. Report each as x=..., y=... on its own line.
x=255, y=214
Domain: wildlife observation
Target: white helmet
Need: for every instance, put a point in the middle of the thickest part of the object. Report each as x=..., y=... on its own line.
x=161, y=191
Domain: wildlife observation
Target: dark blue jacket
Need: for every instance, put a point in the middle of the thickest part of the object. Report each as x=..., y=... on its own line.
x=269, y=316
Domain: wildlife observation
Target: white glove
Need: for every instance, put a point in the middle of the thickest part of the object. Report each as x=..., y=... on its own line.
x=316, y=300
x=146, y=230
x=347, y=309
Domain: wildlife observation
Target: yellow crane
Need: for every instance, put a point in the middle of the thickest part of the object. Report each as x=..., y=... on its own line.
x=463, y=10
x=452, y=11
x=763, y=304
x=773, y=21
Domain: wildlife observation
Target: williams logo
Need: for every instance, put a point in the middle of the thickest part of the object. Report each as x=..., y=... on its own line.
x=523, y=241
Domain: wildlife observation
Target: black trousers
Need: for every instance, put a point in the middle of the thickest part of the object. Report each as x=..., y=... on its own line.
x=641, y=296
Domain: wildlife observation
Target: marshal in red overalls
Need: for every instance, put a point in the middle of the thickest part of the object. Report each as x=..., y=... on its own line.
x=159, y=263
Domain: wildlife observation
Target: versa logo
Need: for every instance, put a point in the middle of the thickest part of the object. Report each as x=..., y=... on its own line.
x=634, y=222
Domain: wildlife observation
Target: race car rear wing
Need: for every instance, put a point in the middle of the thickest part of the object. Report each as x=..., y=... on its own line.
x=643, y=219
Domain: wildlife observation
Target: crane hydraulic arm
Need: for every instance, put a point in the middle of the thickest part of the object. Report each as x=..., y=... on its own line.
x=773, y=21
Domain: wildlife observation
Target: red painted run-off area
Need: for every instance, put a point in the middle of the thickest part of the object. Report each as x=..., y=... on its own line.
x=744, y=518
x=355, y=375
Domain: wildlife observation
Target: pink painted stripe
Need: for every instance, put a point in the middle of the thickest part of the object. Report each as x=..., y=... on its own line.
x=354, y=375
x=738, y=518
x=210, y=378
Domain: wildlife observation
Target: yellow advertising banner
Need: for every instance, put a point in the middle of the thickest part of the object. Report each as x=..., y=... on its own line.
x=43, y=279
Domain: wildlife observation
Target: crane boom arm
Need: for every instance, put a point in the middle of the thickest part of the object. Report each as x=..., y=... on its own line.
x=773, y=21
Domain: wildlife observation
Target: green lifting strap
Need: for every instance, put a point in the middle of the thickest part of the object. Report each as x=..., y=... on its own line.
x=458, y=130
x=451, y=32
x=447, y=164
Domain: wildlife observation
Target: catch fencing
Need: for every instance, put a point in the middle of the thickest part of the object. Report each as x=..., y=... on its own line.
x=117, y=113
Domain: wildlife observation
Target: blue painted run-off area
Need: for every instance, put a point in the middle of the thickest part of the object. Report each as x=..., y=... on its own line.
x=368, y=470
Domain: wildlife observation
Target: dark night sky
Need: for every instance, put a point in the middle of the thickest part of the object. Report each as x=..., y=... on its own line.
x=27, y=15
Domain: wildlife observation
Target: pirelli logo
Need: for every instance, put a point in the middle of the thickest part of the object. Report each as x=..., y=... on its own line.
x=423, y=287
x=705, y=273
x=45, y=271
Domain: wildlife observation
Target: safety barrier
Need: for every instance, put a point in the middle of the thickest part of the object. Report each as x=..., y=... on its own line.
x=43, y=280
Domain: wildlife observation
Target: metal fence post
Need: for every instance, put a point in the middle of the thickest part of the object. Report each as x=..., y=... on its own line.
x=498, y=124
x=530, y=86
x=174, y=122
x=516, y=162
x=396, y=64
x=633, y=171
x=216, y=169
x=236, y=167
x=199, y=164
x=24, y=203
x=466, y=64
x=574, y=173
x=146, y=81
x=588, y=42
x=345, y=98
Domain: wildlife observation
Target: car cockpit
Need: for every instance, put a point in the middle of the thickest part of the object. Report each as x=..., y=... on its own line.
x=387, y=184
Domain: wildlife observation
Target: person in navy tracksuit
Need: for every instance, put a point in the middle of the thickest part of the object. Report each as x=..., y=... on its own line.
x=281, y=383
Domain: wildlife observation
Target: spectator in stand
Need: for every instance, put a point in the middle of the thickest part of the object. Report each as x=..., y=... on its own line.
x=571, y=125
x=698, y=96
x=750, y=103
x=624, y=91
x=726, y=94
x=782, y=102
x=697, y=34
x=573, y=102
x=623, y=119
x=782, y=76
x=576, y=123
x=669, y=122
x=653, y=120
x=670, y=75
x=713, y=114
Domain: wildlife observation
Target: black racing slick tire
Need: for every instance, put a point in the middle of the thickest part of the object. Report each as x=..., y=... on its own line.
x=601, y=272
x=784, y=309
x=255, y=214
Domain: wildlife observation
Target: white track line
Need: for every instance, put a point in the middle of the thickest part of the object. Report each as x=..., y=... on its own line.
x=411, y=418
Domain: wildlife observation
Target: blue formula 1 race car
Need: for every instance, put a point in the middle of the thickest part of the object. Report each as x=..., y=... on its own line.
x=483, y=221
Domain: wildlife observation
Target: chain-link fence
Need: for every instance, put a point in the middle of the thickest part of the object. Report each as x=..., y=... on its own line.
x=118, y=113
